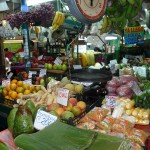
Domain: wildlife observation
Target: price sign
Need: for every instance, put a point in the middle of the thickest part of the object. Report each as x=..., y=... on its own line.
x=136, y=88
x=21, y=54
x=43, y=119
x=63, y=96
x=77, y=67
x=42, y=72
x=113, y=62
x=58, y=61
x=40, y=57
x=125, y=61
x=27, y=82
x=5, y=82
x=111, y=101
x=10, y=75
x=31, y=73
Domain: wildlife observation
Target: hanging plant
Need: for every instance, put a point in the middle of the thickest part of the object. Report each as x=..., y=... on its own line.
x=42, y=14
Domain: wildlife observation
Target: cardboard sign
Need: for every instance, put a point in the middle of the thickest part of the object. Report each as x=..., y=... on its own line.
x=42, y=72
x=5, y=82
x=43, y=119
x=111, y=101
x=125, y=61
x=29, y=81
x=77, y=67
x=58, y=61
x=40, y=57
x=63, y=96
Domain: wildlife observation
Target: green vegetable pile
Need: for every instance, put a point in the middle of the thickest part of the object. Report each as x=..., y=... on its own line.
x=143, y=100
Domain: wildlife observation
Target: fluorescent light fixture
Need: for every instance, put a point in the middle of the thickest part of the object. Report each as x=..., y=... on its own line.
x=34, y=2
x=109, y=37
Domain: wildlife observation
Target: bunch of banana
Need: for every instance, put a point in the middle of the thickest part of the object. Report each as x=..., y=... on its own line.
x=106, y=24
x=59, y=19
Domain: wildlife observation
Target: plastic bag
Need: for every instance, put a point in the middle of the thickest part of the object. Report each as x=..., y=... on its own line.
x=122, y=126
x=111, y=89
x=115, y=82
x=86, y=125
x=97, y=114
x=138, y=136
x=106, y=124
x=126, y=78
x=124, y=91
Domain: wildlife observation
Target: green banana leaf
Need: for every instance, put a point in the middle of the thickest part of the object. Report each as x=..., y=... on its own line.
x=58, y=136
x=3, y=146
x=107, y=142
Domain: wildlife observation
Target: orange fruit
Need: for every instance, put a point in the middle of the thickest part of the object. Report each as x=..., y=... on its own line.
x=8, y=87
x=19, y=90
x=13, y=86
x=14, y=81
x=32, y=88
x=9, y=93
x=59, y=111
x=13, y=95
x=26, y=92
x=20, y=83
x=26, y=86
x=19, y=95
x=4, y=92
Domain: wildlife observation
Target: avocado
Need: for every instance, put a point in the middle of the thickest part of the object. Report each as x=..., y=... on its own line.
x=11, y=118
x=23, y=121
x=30, y=105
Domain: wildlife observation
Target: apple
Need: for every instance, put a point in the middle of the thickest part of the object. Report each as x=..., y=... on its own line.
x=64, y=67
x=38, y=79
x=76, y=110
x=49, y=66
x=81, y=105
x=42, y=82
x=55, y=67
x=73, y=101
x=59, y=67
x=68, y=107
x=52, y=106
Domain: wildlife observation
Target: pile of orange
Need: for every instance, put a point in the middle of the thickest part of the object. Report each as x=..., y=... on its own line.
x=16, y=89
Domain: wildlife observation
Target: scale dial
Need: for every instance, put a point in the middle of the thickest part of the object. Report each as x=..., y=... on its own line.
x=91, y=9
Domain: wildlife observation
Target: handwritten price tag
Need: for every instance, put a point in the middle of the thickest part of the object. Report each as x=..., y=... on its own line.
x=110, y=101
x=40, y=57
x=27, y=82
x=63, y=96
x=42, y=72
x=77, y=67
x=5, y=82
x=43, y=119
x=58, y=61
x=31, y=73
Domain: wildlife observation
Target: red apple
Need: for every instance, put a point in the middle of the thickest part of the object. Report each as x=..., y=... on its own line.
x=73, y=101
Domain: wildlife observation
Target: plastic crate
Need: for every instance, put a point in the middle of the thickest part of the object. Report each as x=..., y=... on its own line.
x=7, y=102
x=91, y=103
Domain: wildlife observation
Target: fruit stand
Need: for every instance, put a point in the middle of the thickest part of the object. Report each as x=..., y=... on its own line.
x=70, y=86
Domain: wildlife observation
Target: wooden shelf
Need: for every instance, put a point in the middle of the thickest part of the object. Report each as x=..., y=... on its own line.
x=49, y=71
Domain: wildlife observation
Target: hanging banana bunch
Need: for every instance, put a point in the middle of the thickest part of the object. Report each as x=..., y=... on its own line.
x=59, y=19
x=120, y=14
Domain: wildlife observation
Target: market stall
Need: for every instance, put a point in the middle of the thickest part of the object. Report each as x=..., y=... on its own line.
x=78, y=78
